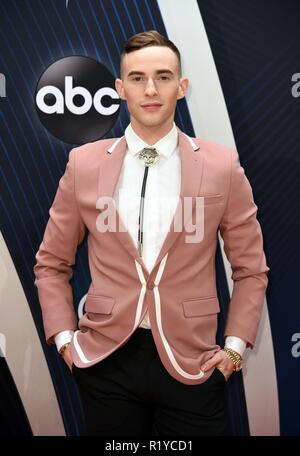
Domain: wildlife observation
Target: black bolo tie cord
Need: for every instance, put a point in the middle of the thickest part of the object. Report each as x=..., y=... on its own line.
x=141, y=212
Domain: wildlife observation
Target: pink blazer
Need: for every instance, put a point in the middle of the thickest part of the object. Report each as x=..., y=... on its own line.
x=180, y=291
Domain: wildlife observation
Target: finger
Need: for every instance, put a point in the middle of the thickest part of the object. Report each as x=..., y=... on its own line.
x=210, y=364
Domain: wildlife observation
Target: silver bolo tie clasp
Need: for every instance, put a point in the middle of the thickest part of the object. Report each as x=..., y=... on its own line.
x=150, y=156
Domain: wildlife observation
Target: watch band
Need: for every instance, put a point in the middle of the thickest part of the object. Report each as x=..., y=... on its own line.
x=235, y=358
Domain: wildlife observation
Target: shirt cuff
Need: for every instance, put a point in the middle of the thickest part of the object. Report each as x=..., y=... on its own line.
x=236, y=344
x=63, y=338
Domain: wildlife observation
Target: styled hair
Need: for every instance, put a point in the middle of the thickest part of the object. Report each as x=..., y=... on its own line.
x=145, y=39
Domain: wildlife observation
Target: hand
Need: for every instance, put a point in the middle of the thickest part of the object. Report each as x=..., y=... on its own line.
x=222, y=362
x=67, y=357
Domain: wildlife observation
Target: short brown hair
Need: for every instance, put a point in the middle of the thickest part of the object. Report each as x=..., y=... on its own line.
x=149, y=38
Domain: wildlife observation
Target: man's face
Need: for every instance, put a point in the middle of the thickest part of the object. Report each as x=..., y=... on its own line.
x=151, y=86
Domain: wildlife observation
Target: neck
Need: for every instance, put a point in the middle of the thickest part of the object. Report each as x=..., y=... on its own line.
x=152, y=134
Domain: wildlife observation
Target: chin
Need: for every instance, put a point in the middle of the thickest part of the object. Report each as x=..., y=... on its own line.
x=152, y=122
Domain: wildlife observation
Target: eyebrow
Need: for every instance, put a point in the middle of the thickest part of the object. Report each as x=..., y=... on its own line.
x=134, y=72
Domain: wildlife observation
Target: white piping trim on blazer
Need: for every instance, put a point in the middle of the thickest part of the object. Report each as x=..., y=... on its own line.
x=81, y=355
x=142, y=294
x=141, y=299
x=194, y=146
x=114, y=145
x=159, y=325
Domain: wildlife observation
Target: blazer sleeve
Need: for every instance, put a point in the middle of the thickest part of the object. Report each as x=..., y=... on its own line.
x=56, y=255
x=243, y=245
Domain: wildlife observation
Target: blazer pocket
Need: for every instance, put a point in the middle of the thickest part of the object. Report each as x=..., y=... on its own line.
x=212, y=199
x=197, y=307
x=99, y=304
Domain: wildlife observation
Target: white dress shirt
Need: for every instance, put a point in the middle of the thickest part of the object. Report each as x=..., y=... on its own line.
x=161, y=199
x=162, y=187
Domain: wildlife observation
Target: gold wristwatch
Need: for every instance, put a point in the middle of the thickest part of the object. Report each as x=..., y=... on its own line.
x=235, y=358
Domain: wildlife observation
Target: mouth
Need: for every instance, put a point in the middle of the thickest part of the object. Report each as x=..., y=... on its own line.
x=151, y=106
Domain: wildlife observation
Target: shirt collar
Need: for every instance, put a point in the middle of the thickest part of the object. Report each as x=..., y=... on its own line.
x=165, y=146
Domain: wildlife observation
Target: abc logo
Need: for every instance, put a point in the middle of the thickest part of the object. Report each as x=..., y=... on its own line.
x=76, y=100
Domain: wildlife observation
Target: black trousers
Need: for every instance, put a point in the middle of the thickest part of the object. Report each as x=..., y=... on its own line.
x=131, y=393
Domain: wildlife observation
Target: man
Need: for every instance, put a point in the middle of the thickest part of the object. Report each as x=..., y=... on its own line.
x=144, y=354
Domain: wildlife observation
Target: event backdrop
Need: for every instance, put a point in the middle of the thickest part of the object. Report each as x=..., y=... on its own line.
x=242, y=59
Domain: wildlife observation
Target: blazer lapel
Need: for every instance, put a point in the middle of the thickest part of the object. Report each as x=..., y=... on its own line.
x=191, y=175
x=109, y=172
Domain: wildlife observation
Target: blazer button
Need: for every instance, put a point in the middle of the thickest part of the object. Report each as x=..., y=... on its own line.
x=150, y=285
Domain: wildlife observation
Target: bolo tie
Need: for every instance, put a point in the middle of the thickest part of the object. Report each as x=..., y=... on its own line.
x=150, y=156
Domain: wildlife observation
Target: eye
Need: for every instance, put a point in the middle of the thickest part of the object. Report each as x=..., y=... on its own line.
x=137, y=78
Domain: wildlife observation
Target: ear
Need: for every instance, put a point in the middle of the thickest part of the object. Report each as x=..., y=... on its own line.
x=120, y=89
x=182, y=89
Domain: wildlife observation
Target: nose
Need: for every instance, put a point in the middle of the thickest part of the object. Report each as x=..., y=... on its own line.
x=150, y=88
